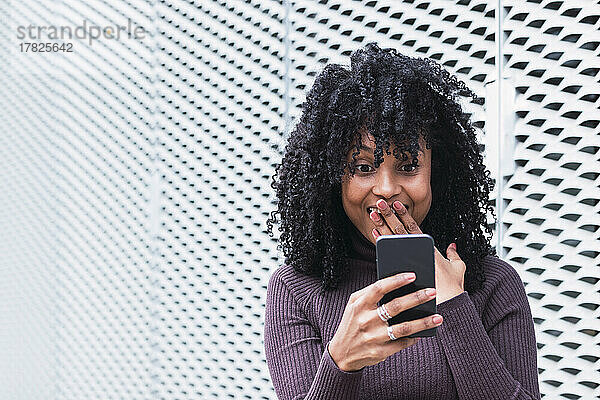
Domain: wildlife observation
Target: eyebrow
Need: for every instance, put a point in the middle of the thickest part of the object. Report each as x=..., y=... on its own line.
x=370, y=150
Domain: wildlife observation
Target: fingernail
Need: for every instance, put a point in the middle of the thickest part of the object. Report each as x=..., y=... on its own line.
x=430, y=292
x=375, y=233
x=410, y=276
x=453, y=245
x=397, y=205
x=374, y=215
x=382, y=204
x=437, y=319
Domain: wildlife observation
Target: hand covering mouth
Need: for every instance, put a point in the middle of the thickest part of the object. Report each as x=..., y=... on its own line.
x=376, y=209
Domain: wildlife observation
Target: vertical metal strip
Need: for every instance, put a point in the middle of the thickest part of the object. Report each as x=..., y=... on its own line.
x=286, y=77
x=499, y=127
x=154, y=214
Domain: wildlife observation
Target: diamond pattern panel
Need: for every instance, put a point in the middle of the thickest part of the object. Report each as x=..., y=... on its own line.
x=221, y=100
x=77, y=133
x=551, y=218
x=136, y=177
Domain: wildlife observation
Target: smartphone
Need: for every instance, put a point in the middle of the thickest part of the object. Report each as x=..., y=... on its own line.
x=408, y=253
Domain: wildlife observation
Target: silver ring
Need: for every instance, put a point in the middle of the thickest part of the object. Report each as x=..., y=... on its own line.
x=383, y=313
x=391, y=333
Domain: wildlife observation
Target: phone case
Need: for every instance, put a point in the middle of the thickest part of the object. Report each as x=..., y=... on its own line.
x=408, y=253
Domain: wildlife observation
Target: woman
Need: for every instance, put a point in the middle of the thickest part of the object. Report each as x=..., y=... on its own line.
x=325, y=337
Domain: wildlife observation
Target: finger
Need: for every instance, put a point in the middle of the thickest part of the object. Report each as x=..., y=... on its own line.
x=451, y=253
x=393, y=224
x=380, y=224
x=375, y=291
x=438, y=256
x=394, y=346
x=399, y=304
x=410, y=327
x=407, y=220
x=375, y=233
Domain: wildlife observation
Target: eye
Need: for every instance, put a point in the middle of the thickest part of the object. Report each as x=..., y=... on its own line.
x=363, y=170
x=409, y=167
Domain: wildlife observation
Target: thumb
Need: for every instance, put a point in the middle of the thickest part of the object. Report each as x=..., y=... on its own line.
x=451, y=252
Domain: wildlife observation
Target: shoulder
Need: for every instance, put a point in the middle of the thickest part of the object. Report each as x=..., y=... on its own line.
x=286, y=280
x=497, y=270
x=502, y=282
x=502, y=294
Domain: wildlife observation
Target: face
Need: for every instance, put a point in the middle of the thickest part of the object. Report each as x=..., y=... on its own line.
x=393, y=180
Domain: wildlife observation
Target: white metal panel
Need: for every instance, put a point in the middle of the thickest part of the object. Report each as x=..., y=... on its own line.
x=136, y=181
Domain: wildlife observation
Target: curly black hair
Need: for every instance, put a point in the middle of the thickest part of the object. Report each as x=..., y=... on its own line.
x=396, y=98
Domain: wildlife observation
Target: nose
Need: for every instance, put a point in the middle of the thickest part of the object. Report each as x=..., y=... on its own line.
x=386, y=185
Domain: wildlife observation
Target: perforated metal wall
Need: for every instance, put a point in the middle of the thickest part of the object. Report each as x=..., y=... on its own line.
x=552, y=214
x=135, y=181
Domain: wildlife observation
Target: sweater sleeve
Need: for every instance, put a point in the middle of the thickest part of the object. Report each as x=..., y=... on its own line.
x=300, y=366
x=499, y=363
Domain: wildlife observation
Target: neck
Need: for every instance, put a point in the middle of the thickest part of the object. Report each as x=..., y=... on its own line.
x=362, y=248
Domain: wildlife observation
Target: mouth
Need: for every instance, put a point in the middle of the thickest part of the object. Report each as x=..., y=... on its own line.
x=376, y=209
x=371, y=209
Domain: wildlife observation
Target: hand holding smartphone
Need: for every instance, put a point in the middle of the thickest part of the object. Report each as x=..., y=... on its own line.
x=408, y=253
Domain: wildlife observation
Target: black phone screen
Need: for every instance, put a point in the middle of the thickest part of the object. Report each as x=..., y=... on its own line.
x=408, y=253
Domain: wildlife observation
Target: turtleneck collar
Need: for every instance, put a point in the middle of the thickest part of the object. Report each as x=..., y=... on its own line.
x=362, y=249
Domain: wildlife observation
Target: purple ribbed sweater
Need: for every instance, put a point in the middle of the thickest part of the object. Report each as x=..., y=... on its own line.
x=484, y=349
